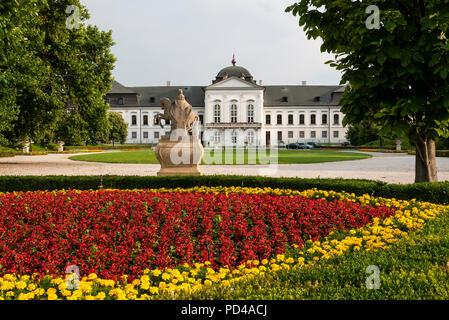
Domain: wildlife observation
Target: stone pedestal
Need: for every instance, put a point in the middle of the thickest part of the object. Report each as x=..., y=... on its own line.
x=398, y=145
x=179, y=158
x=26, y=146
x=61, y=146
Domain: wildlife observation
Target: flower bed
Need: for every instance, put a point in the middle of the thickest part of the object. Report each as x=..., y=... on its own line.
x=147, y=244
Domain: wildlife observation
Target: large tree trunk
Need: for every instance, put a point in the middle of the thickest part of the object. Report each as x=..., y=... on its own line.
x=426, y=164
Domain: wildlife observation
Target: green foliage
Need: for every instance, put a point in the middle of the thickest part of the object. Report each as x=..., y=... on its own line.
x=363, y=132
x=118, y=128
x=431, y=192
x=50, y=73
x=398, y=74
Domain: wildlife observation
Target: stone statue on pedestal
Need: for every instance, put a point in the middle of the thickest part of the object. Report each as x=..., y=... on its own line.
x=180, y=151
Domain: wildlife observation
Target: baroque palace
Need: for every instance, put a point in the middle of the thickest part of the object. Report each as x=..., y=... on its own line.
x=235, y=110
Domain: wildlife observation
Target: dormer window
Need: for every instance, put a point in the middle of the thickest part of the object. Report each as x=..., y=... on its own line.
x=317, y=99
x=284, y=99
x=152, y=99
x=120, y=101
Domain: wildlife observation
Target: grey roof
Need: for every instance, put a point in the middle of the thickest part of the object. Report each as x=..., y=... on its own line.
x=300, y=95
x=194, y=95
x=120, y=89
x=276, y=96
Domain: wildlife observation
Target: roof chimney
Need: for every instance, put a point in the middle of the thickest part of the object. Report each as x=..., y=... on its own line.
x=304, y=83
x=260, y=82
x=168, y=83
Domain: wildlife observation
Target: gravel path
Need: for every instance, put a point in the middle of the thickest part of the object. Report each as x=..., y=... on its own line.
x=393, y=168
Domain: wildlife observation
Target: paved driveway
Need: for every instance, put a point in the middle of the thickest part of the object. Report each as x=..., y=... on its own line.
x=393, y=168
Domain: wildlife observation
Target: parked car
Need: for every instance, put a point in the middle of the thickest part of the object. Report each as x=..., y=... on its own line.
x=313, y=144
x=293, y=146
x=304, y=146
x=281, y=144
x=345, y=144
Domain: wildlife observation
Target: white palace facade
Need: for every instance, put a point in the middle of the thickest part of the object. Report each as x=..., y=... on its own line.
x=235, y=110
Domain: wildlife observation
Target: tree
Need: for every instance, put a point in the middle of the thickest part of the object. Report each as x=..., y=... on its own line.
x=118, y=128
x=363, y=132
x=397, y=71
x=56, y=76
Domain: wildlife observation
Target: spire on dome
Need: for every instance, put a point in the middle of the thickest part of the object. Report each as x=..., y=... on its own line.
x=233, y=60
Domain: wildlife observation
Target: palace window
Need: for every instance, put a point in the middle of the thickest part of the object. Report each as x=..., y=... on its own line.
x=290, y=134
x=279, y=136
x=201, y=118
x=302, y=134
x=217, y=113
x=120, y=101
x=324, y=118
x=152, y=100
x=336, y=119
x=217, y=137
x=324, y=134
x=302, y=119
x=250, y=113
x=268, y=119
x=234, y=137
x=250, y=137
x=134, y=135
x=134, y=120
x=145, y=135
x=145, y=120
x=335, y=134
x=156, y=120
x=234, y=113
x=313, y=134
x=156, y=135
x=290, y=119
x=313, y=119
x=279, y=119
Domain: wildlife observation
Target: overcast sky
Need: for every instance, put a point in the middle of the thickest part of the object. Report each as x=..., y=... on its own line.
x=189, y=41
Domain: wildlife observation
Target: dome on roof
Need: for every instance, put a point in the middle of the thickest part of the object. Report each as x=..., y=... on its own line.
x=234, y=71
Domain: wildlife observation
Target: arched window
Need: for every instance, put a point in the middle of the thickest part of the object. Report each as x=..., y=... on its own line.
x=279, y=119
x=268, y=119
x=217, y=113
x=324, y=118
x=234, y=113
x=336, y=119
x=250, y=113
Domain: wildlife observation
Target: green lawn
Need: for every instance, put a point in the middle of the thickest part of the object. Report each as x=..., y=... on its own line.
x=284, y=157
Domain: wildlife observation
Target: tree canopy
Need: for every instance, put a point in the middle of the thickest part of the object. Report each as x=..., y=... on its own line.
x=118, y=128
x=53, y=75
x=397, y=73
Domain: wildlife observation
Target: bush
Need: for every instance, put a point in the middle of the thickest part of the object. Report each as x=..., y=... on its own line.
x=7, y=153
x=430, y=192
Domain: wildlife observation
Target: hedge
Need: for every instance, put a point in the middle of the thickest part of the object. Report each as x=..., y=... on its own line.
x=431, y=192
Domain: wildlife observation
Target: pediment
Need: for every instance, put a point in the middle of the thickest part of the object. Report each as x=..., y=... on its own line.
x=234, y=82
